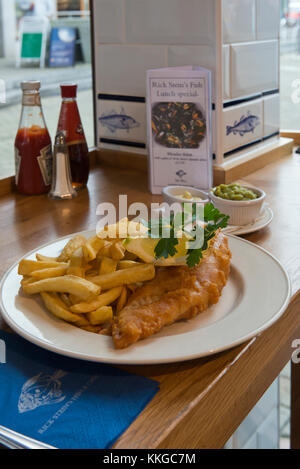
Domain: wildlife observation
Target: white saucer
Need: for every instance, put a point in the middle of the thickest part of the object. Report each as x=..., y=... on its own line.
x=262, y=222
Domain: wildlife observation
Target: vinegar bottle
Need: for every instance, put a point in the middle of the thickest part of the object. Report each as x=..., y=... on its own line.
x=33, y=151
x=70, y=124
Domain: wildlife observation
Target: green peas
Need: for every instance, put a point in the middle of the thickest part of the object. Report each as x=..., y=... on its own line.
x=236, y=196
x=234, y=192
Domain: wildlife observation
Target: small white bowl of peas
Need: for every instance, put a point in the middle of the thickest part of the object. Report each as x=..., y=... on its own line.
x=243, y=204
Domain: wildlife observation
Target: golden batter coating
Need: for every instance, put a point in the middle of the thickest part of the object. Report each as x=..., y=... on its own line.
x=176, y=293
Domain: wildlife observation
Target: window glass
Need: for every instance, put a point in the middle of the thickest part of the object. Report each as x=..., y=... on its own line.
x=36, y=40
x=290, y=65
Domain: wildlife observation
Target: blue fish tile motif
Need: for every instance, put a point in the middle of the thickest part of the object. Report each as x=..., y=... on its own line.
x=246, y=125
x=114, y=121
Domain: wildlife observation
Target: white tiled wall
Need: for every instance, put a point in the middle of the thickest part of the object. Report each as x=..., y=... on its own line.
x=267, y=19
x=133, y=36
x=170, y=21
x=250, y=20
x=109, y=16
x=121, y=69
x=271, y=114
x=194, y=55
x=251, y=28
x=226, y=72
x=238, y=21
x=254, y=67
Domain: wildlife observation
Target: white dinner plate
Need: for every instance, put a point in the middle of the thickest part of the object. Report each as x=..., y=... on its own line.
x=256, y=295
x=262, y=222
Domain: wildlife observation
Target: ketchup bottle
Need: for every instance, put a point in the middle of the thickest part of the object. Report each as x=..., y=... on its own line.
x=33, y=150
x=70, y=124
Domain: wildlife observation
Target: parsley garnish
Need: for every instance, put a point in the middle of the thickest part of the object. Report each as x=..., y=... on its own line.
x=166, y=247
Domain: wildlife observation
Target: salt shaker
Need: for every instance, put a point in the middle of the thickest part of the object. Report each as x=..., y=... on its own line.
x=61, y=176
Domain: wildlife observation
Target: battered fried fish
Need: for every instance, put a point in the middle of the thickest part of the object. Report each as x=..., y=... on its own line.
x=176, y=293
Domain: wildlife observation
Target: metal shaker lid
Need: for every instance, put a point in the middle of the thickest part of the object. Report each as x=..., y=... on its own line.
x=60, y=138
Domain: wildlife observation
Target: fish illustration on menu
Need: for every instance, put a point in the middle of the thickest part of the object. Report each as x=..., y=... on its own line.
x=245, y=125
x=42, y=389
x=114, y=121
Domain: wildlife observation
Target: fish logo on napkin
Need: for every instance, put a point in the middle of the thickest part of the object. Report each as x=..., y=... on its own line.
x=42, y=389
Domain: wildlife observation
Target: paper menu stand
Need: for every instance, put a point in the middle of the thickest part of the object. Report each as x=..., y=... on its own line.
x=179, y=127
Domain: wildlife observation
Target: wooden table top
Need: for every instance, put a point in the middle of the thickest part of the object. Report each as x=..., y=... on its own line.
x=202, y=402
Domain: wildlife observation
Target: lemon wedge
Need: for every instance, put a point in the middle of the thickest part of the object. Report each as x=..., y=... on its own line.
x=144, y=248
x=137, y=242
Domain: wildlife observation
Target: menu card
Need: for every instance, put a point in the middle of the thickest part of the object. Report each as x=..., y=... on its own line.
x=179, y=127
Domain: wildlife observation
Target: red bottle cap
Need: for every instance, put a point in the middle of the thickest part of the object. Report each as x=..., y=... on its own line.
x=68, y=91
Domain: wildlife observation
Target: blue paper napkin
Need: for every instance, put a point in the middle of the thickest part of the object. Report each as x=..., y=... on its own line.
x=67, y=403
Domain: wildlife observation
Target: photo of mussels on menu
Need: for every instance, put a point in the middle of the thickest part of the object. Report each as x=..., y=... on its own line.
x=179, y=127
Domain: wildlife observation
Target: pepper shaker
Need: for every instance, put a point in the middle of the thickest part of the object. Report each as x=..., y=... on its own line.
x=61, y=178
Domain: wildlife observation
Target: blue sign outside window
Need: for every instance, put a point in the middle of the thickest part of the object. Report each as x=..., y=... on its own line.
x=62, y=47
